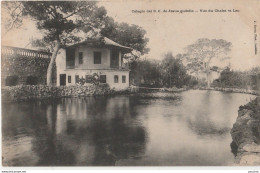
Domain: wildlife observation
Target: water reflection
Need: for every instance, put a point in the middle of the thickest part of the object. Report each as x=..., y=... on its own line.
x=211, y=118
x=91, y=131
x=121, y=130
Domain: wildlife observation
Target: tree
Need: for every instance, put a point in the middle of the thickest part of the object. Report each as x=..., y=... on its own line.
x=173, y=71
x=128, y=35
x=239, y=79
x=201, y=53
x=12, y=12
x=59, y=21
x=145, y=73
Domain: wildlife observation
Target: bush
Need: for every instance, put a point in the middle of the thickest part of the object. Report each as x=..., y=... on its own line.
x=237, y=79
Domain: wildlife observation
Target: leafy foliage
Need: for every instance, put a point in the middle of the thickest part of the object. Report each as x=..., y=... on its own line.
x=237, y=79
x=200, y=54
x=145, y=73
x=205, y=49
x=170, y=72
x=59, y=20
x=12, y=12
x=128, y=35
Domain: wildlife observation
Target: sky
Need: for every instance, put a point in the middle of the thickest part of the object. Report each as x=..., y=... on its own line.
x=172, y=32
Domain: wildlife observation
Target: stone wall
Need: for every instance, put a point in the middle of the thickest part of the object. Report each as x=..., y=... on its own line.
x=22, y=67
x=246, y=134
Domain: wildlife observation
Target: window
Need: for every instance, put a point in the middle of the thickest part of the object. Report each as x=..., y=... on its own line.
x=70, y=58
x=123, y=79
x=97, y=57
x=114, y=58
x=80, y=57
x=76, y=79
x=116, y=79
x=69, y=79
x=103, y=79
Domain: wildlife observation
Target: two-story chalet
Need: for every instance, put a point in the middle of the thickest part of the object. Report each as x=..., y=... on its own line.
x=101, y=57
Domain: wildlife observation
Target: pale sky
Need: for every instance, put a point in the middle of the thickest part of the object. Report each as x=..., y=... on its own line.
x=174, y=31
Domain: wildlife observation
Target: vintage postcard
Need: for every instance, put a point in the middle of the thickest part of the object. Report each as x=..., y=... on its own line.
x=130, y=83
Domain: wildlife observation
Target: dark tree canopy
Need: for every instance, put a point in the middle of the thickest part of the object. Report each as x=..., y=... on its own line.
x=60, y=20
x=169, y=72
x=128, y=35
x=249, y=79
x=175, y=73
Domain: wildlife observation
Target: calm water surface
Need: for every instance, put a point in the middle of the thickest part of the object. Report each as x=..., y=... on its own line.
x=192, y=129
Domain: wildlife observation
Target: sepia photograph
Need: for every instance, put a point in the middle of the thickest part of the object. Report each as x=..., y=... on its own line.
x=127, y=83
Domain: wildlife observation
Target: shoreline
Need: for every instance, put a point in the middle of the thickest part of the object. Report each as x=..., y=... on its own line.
x=232, y=90
x=40, y=92
x=43, y=92
x=245, y=132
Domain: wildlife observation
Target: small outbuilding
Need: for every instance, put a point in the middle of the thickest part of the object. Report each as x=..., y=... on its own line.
x=100, y=59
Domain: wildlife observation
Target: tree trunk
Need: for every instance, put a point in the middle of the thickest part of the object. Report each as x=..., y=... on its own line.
x=208, y=71
x=51, y=64
x=208, y=82
x=170, y=81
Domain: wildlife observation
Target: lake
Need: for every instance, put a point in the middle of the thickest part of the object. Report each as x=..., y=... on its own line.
x=191, y=128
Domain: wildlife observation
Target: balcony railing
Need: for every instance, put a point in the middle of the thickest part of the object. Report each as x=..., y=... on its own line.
x=15, y=51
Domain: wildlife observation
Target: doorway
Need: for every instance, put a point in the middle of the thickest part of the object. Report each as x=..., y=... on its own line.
x=62, y=79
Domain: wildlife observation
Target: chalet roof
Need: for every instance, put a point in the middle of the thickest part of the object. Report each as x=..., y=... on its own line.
x=102, y=42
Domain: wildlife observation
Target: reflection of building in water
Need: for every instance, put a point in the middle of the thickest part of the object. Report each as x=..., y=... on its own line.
x=98, y=131
x=74, y=131
x=72, y=111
